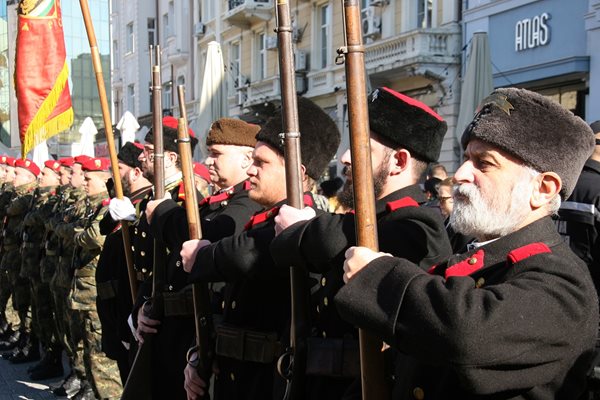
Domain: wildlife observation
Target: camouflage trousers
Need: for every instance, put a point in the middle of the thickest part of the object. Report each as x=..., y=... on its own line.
x=7, y=310
x=43, y=307
x=64, y=319
x=102, y=372
x=21, y=292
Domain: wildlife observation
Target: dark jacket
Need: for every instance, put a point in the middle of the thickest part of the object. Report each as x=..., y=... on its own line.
x=579, y=219
x=405, y=229
x=513, y=319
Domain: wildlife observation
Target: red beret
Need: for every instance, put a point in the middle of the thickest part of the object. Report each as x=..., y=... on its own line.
x=201, y=170
x=53, y=165
x=173, y=122
x=82, y=159
x=96, y=164
x=28, y=165
x=67, y=162
x=8, y=160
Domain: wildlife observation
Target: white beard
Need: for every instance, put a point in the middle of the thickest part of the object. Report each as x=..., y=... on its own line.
x=474, y=215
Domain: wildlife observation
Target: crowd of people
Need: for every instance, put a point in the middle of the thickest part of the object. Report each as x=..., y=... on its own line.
x=484, y=285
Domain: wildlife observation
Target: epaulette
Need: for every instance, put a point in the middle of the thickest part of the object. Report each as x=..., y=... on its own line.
x=401, y=203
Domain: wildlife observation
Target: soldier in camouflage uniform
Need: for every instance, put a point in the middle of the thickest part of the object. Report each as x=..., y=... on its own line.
x=34, y=237
x=25, y=183
x=8, y=337
x=102, y=372
x=70, y=211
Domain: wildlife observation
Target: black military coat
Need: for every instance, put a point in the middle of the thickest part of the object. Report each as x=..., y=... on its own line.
x=256, y=298
x=405, y=228
x=513, y=319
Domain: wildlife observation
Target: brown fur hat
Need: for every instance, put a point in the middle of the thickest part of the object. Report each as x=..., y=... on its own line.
x=540, y=132
x=407, y=122
x=232, y=131
x=319, y=136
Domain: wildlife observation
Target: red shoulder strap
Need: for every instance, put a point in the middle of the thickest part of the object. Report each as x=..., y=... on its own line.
x=466, y=267
x=261, y=217
x=401, y=203
x=527, y=251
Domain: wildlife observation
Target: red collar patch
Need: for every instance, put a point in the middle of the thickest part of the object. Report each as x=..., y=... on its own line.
x=466, y=267
x=261, y=217
x=527, y=251
x=401, y=203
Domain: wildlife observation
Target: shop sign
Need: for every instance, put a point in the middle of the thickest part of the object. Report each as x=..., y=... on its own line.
x=532, y=32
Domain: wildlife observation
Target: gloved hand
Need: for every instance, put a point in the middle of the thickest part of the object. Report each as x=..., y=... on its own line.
x=121, y=209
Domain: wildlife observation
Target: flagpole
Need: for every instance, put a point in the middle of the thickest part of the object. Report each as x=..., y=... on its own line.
x=89, y=27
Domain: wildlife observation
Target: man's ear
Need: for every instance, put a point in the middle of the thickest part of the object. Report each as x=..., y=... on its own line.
x=247, y=159
x=547, y=186
x=399, y=161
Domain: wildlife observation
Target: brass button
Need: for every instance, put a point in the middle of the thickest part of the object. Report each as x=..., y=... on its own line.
x=178, y=263
x=132, y=248
x=323, y=281
x=142, y=253
x=233, y=305
x=472, y=261
x=418, y=393
x=324, y=334
x=223, y=305
x=480, y=282
x=232, y=376
x=224, y=203
x=143, y=234
x=318, y=309
x=170, y=288
x=144, y=270
x=326, y=301
x=135, y=231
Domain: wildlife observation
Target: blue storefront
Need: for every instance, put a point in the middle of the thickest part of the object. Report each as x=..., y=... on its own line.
x=540, y=45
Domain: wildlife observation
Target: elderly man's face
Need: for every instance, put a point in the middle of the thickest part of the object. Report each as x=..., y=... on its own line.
x=492, y=193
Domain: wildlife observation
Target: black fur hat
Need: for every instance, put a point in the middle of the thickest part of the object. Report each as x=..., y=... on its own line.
x=319, y=136
x=407, y=122
x=129, y=154
x=535, y=129
x=170, y=135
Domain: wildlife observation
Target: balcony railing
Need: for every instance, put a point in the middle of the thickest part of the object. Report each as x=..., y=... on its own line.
x=243, y=13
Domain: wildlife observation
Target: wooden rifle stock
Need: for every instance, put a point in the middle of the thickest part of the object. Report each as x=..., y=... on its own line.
x=114, y=162
x=202, y=307
x=292, y=364
x=138, y=385
x=374, y=385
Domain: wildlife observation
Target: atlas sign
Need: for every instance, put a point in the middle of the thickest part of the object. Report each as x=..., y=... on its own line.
x=532, y=32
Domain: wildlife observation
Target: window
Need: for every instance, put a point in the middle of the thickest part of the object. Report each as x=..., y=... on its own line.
x=115, y=55
x=261, y=62
x=167, y=96
x=131, y=98
x=130, y=39
x=323, y=37
x=171, y=28
x=166, y=28
x=151, y=32
x=234, y=68
x=207, y=10
x=424, y=13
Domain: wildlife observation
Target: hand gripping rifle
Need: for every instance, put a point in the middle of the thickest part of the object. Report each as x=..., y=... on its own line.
x=374, y=386
x=292, y=364
x=137, y=385
x=202, y=308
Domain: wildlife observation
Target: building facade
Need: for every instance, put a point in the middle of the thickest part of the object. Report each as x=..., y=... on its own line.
x=548, y=46
x=412, y=46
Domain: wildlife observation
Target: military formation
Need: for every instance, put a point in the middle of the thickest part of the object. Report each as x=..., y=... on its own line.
x=511, y=314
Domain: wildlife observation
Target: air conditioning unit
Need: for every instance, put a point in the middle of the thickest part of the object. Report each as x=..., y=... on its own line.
x=199, y=29
x=371, y=22
x=271, y=43
x=300, y=60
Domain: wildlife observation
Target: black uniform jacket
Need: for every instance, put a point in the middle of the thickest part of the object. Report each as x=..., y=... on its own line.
x=405, y=229
x=513, y=319
x=579, y=218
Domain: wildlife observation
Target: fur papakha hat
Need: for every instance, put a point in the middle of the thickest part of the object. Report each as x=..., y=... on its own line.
x=407, y=122
x=232, y=131
x=129, y=154
x=319, y=136
x=170, y=135
x=535, y=129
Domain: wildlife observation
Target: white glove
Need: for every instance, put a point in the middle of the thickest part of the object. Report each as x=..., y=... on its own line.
x=121, y=209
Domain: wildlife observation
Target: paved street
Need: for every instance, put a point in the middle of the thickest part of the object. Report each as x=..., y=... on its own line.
x=16, y=385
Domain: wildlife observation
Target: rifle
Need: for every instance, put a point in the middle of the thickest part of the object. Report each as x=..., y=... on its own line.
x=374, y=385
x=201, y=294
x=114, y=162
x=292, y=364
x=137, y=386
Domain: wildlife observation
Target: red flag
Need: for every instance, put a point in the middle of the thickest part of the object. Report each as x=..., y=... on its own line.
x=41, y=73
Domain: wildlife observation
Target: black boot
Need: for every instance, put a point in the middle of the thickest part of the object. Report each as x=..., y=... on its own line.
x=42, y=364
x=11, y=341
x=30, y=352
x=69, y=387
x=85, y=393
x=51, y=368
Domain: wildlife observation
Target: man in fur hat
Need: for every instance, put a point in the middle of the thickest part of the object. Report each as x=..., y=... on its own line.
x=256, y=305
x=515, y=317
x=405, y=136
